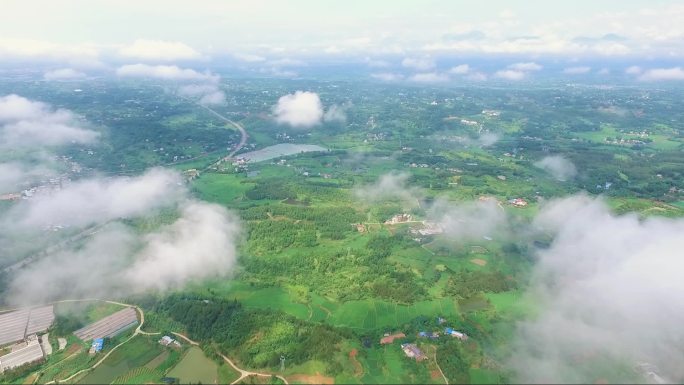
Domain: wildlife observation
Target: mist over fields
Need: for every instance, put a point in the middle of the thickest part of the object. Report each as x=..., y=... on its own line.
x=117, y=260
x=349, y=192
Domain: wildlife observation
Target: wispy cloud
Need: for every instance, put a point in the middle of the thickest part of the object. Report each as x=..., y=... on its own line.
x=387, y=76
x=510, y=75
x=418, y=63
x=526, y=66
x=158, y=50
x=558, y=166
x=166, y=72
x=460, y=69
x=606, y=290
x=64, y=74
x=579, y=70
x=429, y=77
x=27, y=123
x=659, y=74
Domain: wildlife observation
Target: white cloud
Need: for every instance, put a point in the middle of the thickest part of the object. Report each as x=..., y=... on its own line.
x=213, y=99
x=658, y=74
x=166, y=72
x=207, y=94
x=374, y=63
x=558, y=166
x=477, y=77
x=526, y=66
x=64, y=74
x=159, y=50
x=199, y=245
x=27, y=123
x=633, y=70
x=579, y=70
x=419, y=64
x=44, y=50
x=608, y=290
x=116, y=260
x=470, y=220
x=487, y=139
x=287, y=62
x=387, y=76
x=278, y=72
x=302, y=109
x=196, y=90
x=14, y=174
x=510, y=74
x=336, y=113
x=249, y=58
x=429, y=77
x=94, y=200
x=460, y=69
x=390, y=186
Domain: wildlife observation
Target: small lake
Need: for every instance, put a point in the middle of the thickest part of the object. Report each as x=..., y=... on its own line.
x=278, y=150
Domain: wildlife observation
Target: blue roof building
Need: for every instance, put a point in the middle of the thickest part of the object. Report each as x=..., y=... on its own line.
x=97, y=345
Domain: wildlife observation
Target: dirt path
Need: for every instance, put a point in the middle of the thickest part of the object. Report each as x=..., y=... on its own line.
x=138, y=330
x=446, y=381
x=244, y=373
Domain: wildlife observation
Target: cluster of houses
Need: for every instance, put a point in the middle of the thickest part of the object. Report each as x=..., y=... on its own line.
x=623, y=141
x=411, y=350
x=518, y=202
x=491, y=113
x=191, y=174
x=399, y=218
x=469, y=122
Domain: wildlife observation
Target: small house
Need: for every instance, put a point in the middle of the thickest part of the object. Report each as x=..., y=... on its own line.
x=412, y=351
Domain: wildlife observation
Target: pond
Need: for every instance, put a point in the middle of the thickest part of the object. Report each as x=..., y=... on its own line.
x=278, y=150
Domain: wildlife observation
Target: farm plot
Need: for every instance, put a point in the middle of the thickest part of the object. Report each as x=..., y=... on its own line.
x=134, y=354
x=195, y=367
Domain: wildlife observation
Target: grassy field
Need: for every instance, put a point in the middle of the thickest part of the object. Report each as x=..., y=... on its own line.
x=195, y=367
x=134, y=354
x=221, y=188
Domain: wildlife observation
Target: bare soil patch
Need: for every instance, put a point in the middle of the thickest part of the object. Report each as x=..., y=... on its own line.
x=478, y=261
x=312, y=379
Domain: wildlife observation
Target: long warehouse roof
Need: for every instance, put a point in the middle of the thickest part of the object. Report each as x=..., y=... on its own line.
x=31, y=352
x=108, y=326
x=16, y=325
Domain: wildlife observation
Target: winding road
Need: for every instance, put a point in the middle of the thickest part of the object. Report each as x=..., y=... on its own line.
x=138, y=330
x=243, y=132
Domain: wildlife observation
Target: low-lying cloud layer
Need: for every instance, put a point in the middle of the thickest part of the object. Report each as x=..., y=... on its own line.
x=118, y=260
x=64, y=74
x=391, y=186
x=470, y=220
x=609, y=290
x=558, y=166
x=94, y=200
x=204, y=88
x=661, y=74
x=101, y=253
x=27, y=123
x=166, y=72
x=158, y=50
